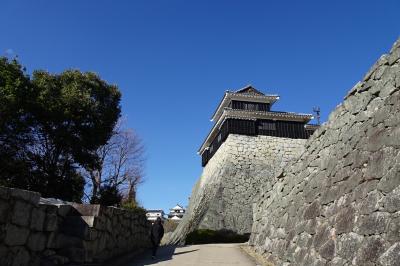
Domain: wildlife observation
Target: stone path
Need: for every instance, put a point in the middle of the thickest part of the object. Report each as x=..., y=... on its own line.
x=201, y=255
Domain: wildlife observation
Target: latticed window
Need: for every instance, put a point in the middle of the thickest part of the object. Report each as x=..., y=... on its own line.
x=267, y=126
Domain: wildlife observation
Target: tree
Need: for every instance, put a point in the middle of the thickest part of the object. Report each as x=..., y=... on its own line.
x=109, y=195
x=76, y=114
x=119, y=169
x=15, y=131
x=62, y=120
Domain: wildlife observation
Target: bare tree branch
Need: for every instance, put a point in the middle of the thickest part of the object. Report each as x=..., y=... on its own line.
x=120, y=165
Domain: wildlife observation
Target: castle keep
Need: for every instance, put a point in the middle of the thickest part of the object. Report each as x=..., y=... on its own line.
x=248, y=112
x=247, y=144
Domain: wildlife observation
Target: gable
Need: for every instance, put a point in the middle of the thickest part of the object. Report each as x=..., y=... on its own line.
x=249, y=90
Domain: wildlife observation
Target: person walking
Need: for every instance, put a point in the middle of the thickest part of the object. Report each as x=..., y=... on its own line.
x=157, y=233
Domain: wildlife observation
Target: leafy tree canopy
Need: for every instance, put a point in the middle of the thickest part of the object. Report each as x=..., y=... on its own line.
x=77, y=110
x=52, y=124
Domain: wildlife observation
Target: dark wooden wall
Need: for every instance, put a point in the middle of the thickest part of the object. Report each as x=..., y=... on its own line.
x=283, y=129
x=249, y=106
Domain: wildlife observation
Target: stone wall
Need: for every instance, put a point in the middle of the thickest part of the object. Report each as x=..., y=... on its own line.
x=32, y=233
x=223, y=196
x=339, y=202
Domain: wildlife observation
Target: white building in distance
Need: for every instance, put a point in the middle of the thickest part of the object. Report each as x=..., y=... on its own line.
x=152, y=215
x=176, y=213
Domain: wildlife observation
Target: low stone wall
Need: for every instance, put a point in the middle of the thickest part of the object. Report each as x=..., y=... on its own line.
x=339, y=203
x=32, y=233
x=223, y=196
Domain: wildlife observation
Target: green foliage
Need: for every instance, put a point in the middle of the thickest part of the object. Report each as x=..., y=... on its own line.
x=206, y=236
x=109, y=196
x=50, y=126
x=15, y=92
x=77, y=110
x=133, y=206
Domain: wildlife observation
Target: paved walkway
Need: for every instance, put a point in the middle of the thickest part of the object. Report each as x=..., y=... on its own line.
x=201, y=255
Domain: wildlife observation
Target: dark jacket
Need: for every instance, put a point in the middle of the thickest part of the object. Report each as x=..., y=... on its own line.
x=157, y=232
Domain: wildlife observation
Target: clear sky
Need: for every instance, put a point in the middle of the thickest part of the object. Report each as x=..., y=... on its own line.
x=173, y=60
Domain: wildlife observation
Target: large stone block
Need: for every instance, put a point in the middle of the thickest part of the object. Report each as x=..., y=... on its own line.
x=29, y=196
x=4, y=211
x=348, y=245
x=391, y=202
x=4, y=255
x=21, y=213
x=21, y=257
x=370, y=203
x=344, y=221
x=51, y=222
x=37, y=220
x=322, y=235
x=393, y=228
x=50, y=209
x=391, y=257
x=64, y=210
x=4, y=193
x=327, y=250
x=15, y=235
x=371, y=249
x=312, y=211
x=37, y=241
x=374, y=223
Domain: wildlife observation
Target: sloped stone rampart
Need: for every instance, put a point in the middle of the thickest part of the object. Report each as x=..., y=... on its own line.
x=223, y=196
x=61, y=234
x=339, y=202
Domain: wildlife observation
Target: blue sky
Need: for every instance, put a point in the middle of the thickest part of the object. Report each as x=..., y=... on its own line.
x=173, y=60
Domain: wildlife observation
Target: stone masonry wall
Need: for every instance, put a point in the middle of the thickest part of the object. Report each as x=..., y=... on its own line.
x=223, y=196
x=45, y=234
x=339, y=202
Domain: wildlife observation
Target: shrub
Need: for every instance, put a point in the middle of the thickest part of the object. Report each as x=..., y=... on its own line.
x=133, y=206
x=207, y=236
x=109, y=196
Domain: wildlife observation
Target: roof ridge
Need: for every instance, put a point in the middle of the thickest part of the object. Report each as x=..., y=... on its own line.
x=249, y=88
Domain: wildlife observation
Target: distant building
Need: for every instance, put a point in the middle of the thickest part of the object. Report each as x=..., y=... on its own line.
x=152, y=215
x=176, y=213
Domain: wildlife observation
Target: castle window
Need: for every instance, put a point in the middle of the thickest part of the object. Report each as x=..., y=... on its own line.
x=267, y=126
x=219, y=137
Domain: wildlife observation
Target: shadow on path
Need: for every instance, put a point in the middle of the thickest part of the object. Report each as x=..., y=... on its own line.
x=164, y=253
x=195, y=255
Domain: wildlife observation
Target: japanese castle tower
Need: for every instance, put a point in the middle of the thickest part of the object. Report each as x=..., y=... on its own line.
x=248, y=112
